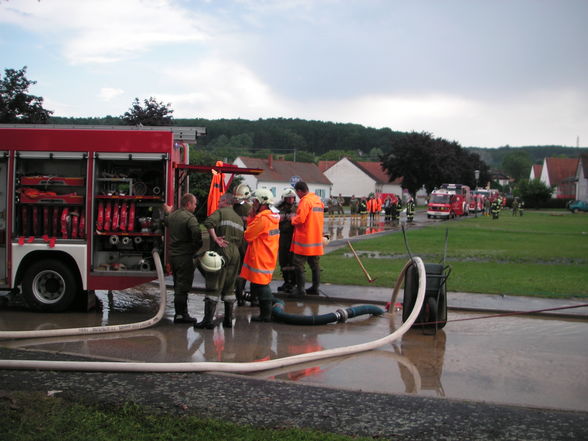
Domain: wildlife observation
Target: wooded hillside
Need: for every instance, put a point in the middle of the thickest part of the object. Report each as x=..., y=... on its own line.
x=284, y=136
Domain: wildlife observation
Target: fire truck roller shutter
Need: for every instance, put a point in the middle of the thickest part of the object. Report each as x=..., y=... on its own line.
x=50, y=284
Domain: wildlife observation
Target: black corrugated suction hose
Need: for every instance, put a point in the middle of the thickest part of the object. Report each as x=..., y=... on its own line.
x=340, y=315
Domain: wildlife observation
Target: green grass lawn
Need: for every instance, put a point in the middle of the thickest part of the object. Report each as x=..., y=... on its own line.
x=539, y=254
x=34, y=416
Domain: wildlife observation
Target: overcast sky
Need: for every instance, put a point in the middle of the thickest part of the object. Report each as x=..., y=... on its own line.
x=480, y=72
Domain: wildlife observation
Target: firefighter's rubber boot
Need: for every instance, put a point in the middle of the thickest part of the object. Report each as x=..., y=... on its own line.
x=289, y=281
x=208, y=320
x=184, y=317
x=298, y=290
x=228, y=319
x=181, y=315
x=316, y=281
x=265, y=305
x=239, y=289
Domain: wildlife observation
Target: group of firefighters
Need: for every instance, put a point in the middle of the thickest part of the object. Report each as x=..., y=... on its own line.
x=248, y=235
x=373, y=205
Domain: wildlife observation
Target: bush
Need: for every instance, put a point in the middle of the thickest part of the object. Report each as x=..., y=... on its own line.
x=534, y=193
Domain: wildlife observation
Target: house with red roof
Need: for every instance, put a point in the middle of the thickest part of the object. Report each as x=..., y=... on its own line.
x=560, y=174
x=582, y=178
x=359, y=178
x=536, y=171
x=279, y=174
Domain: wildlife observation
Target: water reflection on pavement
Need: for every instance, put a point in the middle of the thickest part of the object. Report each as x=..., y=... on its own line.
x=526, y=361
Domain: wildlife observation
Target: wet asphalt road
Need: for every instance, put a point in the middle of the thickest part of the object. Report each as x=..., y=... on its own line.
x=282, y=405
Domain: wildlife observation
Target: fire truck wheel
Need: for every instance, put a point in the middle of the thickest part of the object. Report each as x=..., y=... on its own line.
x=49, y=285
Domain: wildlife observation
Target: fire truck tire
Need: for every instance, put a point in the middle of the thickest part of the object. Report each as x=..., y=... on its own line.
x=49, y=286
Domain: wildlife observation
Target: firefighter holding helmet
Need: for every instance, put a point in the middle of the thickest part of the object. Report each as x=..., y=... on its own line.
x=225, y=229
x=263, y=236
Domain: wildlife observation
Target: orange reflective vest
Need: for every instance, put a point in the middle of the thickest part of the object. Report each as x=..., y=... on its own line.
x=217, y=189
x=263, y=237
x=308, y=226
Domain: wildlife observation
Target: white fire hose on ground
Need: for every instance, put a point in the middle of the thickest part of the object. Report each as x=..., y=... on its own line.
x=5, y=335
x=206, y=366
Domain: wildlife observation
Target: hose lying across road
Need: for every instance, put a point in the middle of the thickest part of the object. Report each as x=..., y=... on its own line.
x=207, y=366
x=4, y=335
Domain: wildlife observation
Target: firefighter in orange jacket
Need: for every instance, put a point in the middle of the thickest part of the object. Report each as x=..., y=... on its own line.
x=307, y=242
x=263, y=236
x=372, y=206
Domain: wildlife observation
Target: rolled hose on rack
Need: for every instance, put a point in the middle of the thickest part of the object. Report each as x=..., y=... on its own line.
x=207, y=366
x=340, y=315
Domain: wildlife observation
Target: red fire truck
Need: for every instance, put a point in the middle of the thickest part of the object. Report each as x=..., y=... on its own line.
x=81, y=207
x=449, y=201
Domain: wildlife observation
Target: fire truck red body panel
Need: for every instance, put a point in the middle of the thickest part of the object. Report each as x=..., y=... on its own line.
x=449, y=201
x=73, y=174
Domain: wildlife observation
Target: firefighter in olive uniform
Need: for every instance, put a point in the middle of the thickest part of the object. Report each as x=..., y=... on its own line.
x=410, y=209
x=262, y=236
x=185, y=241
x=225, y=228
x=287, y=208
x=242, y=207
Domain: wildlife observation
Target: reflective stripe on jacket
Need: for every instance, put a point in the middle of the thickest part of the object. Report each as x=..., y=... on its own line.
x=263, y=236
x=308, y=226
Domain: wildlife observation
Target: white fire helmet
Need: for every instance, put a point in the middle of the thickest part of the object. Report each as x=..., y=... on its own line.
x=263, y=196
x=242, y=192
x=288, y=193
x=212, y=262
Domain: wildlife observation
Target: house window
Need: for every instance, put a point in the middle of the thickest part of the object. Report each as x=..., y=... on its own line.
x=320, y=192
x=273, y=190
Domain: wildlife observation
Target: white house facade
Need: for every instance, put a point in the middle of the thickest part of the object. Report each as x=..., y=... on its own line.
x=358, y=178
x=278, y=175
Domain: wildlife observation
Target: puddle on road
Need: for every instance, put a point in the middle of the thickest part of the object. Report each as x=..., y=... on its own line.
x=524, y=361
x=345, y=227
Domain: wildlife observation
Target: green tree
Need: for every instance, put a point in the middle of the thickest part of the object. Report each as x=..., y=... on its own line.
x=533, y=192
x=301, y=156
x=153, y=113
x=16, y=104
x=375, y=154
x=517, y=164
x=426, y=161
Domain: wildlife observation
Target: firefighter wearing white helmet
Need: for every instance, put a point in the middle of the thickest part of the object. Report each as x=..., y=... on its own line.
x=287, y=208
x=263, y=196
x=242, y=192
x=242, y=207
x=263, y=236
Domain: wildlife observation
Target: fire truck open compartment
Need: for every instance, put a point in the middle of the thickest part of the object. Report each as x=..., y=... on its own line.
x=81, y=207
x=129, y=192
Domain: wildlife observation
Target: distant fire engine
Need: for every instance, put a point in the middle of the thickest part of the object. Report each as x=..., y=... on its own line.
x=449, y=201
